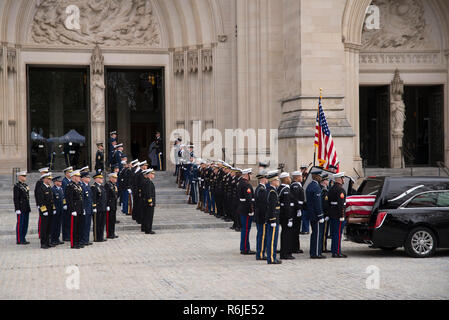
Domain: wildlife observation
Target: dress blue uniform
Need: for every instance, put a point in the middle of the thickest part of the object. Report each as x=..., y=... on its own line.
x=21, y=194
x=59, y=201
x=337, y=205
x=272, y=218
x=65, y=214
x=194, y=184
x=261, y=199
x=87, y=206
x=245, y=210
x=315, y=211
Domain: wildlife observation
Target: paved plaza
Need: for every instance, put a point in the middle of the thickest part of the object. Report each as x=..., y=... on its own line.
x=206, y=264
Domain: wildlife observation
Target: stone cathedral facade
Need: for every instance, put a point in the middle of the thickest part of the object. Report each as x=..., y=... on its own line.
x=246, y=64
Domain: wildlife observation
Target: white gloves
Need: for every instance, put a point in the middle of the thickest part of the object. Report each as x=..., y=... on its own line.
x=84, y=212
x=322, y=221
x=54, y=212
x=251, y=214
x=273, y=225
x=74, y=214
x=129, y=191
x=342, y=219
x=45, y=214
x=290, y=223
x=95, y=210
x=326, y=219
x=299, y=213
x=65, y=207
x=18, y=212
x=108, y=209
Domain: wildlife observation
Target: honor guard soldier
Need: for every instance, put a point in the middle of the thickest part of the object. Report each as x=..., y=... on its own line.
x=176, y=154
x=99, y=208
x=135, y=168
x=227, y=193
x=286, y=216
x=337, y=205
x=235, y=200
x=118, y=155
x=316, y=216
x=74, y=198
x=112, y=141
x=305, y=222
x=219, y=190
x=111, y=202
x=148, y=201
x=297, y=193
x=260, y=210
x=193, y=197
x=124, y=187
x=88, y=207
x=65, y=213
x=245, y=210
x=44, y=201
x=21, y=196
x=59, y=201
x=324, y=184
x=272, y=217
x=99, y=158
x=139, y=179
x=39, y=182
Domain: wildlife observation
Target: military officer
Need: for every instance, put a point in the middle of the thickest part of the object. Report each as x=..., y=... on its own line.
x=324, y=184
x=44, y=201
x=235, y=200
x=21, y=196
x=316, y=216
x=59, y=201
x=297, y=193
x=337, y=206
x=148, y=201
x=272, y=217
x=118, y=155
x=227, y=193
x=65, y=213
x=135, y=168
x=99, y=208
x=112, y=141
x=245, y=210
x=286, y=216
x=124, y=188
x=261, y=201
x=193, y=196
x=139, y=183
x=99, y=158
x=88, y=207
x=305, y=222
x=111, y=202
x=42, y=171
x=176, y=154
x=74, y=198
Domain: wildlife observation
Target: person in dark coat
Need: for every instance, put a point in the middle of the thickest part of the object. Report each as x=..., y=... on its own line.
x=261, y=203
x=286, y=216
x=21, y=196
x=298, y=195
x=44, y=201
x=245, y=210
x=65, y=213
x=59, y=201
x=74, y=198
x=148, y=201
x=88, y=208
x=324, y=184
x=99, y=158
x=111, y=202
x=316, y=216
x=337, y=206
x=272, y=217
x=98, y=208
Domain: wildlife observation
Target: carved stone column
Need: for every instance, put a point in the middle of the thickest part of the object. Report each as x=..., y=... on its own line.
x=397, y=120
x=97, y=91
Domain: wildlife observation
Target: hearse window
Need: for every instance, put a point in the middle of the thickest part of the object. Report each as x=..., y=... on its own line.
x=424, y=200
x=370, y=187
x=443, y=199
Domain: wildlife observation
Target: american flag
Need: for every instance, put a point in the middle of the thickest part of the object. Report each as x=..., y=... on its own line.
x=359, y=206
x=327, y=154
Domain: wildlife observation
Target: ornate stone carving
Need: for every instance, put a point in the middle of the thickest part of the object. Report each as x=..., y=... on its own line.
x=97, y=85
x=206, y=60
x=222, y=38
x=179, y=63
x=104, y=22
x=402, y=24
x=397, y=116
x=192, y=61
x=432, y=58
x=11, y=58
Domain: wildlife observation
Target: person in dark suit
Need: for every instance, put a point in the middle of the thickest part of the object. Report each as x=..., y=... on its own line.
x=44, y=201
x=245, y=210
x=286, y=216
x=316, y=216
x=65, y=214
x=148, y=201
x=272, y=217
x=88, y=208
x=21, y=195
x=74, y=197
x=99, y=207
x=59, y=201
x=111, y=203
x=99, y=158
x=298, y=195
x=337, y=206
x=261, y=202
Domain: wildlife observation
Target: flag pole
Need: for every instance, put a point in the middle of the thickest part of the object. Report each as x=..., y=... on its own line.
x=317, y=115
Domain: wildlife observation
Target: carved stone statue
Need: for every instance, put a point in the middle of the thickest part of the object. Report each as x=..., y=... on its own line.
x=397, y=120
x=98, y=106
x=104, y=22
x=397, y=114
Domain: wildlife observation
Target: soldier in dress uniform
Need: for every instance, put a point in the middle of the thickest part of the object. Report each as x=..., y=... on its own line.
x=227, y=195
x=74, y=198
x=324, y=184
x=99, y=208
x=135, y=168
x=316, y=216
x=65, y=213
x=42, y=171
x=118, y=154
x=44, y=201
x=261, y=202
x=60, y=202
x=111, y=202
x=235, y=200
x=286, y=216
x=193, y=196
x=88, y=208
x=337, y=206
x=245, y=210
x=177, y=156
x=99, y=158
x=305, y=222
x=219, y=190
x=112, y=141
x=124, y=187
x=21, y=196
x=148, y=201
x=139, y=179
x=297, y=193
x=272, y=217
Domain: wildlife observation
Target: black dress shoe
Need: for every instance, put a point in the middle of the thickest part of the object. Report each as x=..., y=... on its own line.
x=117, y=222
x=275, y=262
x=115, y=237
x=287, y=257
x=76, y=247
x=60, y=242
x=318, y=257
x=303, y=233
x=341, y=255
x=25, y=243
x=298, y=251
x=247, y=252
x=54, y=244
x=327, y=251
x=45, y=247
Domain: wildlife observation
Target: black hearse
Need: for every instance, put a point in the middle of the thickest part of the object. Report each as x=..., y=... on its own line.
x=409, y=212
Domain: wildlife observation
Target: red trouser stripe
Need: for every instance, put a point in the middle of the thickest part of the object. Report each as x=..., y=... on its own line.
x=18, y=228
x=71, y=232
x=339, y=238
x=246, y=232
